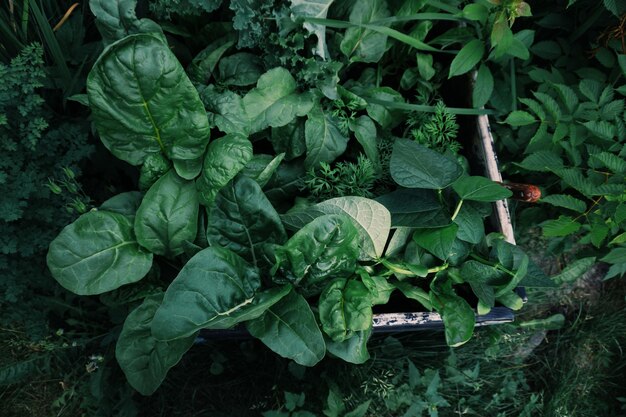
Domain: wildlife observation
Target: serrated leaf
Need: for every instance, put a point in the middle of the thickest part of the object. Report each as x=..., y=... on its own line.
x=520, y=118
x=563, y=226
x=616, y=256
x=467, y=58
x=603, y=130
x=575, y=270
x=568, y=96
x=550, y=105
x=542, y=161
x=611, y=161
x=565, y=201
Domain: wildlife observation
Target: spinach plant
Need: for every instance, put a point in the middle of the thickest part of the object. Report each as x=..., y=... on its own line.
x=219, y=238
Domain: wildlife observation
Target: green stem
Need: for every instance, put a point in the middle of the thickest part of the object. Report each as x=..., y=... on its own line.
x=25, y=18
x=439, y=268
x=457, y=209
x=496, y=265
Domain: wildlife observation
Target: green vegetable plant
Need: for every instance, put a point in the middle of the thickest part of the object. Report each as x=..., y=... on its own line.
x=224, y=234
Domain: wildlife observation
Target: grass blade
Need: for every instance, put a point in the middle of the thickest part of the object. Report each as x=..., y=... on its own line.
x=428, y=109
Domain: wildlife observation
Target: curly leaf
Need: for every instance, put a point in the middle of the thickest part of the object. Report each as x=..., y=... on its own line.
x=143, y=103
x=145, y=360
x=97, y=253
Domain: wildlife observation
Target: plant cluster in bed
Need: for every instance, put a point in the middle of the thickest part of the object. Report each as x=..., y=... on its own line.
x=284, y=186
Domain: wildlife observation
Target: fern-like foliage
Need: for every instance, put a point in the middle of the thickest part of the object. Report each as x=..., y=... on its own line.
x=31, y=150
x=437, y=131
x=342, y=179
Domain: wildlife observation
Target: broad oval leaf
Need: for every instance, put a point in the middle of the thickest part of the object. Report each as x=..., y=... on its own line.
x=168, y=215
x=145, y=360
x=224, y=159
x=480, y=189
x=457, y=315
x=415, y=208
x=142, y=103
x=415, y=166
x=117, y=19
x=289, y=329
x=439, y=241
x=214, y=283
x=467, y=58
x=483, y=86
x=124, y=203
x=345, y=307
x=371, y=218
x=97, y=253
x=242, y=220
x=327, y=247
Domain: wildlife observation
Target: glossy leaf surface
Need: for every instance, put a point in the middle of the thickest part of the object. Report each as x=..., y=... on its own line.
x=97, y=253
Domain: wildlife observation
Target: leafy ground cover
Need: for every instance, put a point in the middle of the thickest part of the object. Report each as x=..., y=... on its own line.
x=276, y=151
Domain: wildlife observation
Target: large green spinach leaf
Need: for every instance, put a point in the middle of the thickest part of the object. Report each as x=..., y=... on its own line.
x=143, y=103
x=289, y=329
x=214, y=283
x=97, y=253
x=145, y=360
x=345, y=307
x=225, y=157
x=326, y=247
x=242, y=220
x=168, y=215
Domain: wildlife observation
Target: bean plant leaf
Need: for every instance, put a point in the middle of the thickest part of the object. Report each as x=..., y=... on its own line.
x=242, y=220
x=471, y=224
x=345, y=307
x=168, y=215
x=437, y=241
x=225, y=157
x=289, y=329
x=323, y=138
x=371, y=218
x=480, y=189
x=274, y=101
x=326, y=247
x=415, y=208
x=145, y=360
x=467, y=58
x=214, y=283
x=116, y=19
x=142, y=103
x=98, y=253
x=415, y=166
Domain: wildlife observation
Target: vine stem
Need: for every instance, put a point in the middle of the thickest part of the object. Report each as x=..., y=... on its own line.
x=457, y=209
